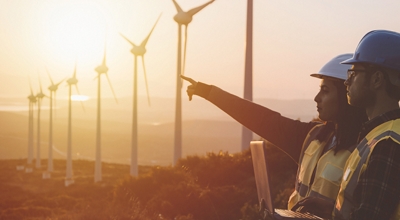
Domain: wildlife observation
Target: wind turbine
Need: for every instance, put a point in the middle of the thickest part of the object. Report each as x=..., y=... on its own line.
x=39, y=98
x=247, y=135
x=32, y=102
x=71, y=82
x=182, y=18
x=53, y=89
x=102, y=69
x=137, y=50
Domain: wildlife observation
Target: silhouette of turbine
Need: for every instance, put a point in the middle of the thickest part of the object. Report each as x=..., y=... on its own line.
x=71, y=82
x=39, y=98
x=247, y=135
x=53, y=89
x=32, y=102
x=182, y=18
x=137, y=51
x=102, y=69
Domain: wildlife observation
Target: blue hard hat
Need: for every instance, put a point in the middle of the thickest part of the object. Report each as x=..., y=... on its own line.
x=379, y=47
x=334, y=68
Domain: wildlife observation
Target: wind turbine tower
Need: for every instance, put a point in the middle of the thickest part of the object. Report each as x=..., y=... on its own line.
x=53, y=89
x=137, y=50
x=71, y=82
x=102, y=69
x=39, y=98
x=32, y=102
x=182, y=18
x=247, y=135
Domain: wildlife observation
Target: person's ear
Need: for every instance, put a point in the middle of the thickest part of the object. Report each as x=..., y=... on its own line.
x=377, y=79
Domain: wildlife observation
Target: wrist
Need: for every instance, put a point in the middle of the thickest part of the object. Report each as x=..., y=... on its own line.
x=202, y=90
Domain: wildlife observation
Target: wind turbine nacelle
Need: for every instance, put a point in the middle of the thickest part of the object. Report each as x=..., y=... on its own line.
x=183, y=18
x=40, y=95
x=53, y=88
x=72, y=81
x=32, y=98
x=101, y=69
x=138, y=51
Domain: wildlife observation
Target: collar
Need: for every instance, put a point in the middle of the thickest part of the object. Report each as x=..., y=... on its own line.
x=378, y=120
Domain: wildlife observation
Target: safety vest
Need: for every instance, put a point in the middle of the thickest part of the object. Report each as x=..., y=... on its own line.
x=357, y=163
x=328, y=173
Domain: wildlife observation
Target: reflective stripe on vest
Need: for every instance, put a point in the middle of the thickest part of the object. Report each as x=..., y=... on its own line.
x=328, y=174
x=357, y=163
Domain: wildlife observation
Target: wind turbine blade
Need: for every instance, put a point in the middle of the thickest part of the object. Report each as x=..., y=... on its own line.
x=145, y=79
x=60, y=82
x=76, y=86
x=184, y=50
x=178, y=8
x=105, y=49
x=40, y=84
x=83, y=107
x=194, y=11
x=143, y=44
x=112, y=90
x=184, y=54
x=55, y=104
x=75, y=71
x=51, y=80
x=30, y=85
x=128, y=40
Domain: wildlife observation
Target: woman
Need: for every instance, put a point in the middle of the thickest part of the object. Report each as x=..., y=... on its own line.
x=323, y=148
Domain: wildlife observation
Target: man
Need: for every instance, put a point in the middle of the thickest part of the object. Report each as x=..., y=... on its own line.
x=370, y=187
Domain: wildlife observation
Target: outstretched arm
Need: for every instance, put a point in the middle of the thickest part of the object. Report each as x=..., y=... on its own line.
x=288, y=134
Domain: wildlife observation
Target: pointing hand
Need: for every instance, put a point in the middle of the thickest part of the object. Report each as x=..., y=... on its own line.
x=191, y=88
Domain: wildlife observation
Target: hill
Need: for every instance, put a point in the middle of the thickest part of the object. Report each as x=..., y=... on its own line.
x=205, y=129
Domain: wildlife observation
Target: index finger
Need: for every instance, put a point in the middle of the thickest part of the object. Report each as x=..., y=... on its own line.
x=188, y=79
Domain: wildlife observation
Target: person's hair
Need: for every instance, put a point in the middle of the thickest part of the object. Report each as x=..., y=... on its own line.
x=348, y=123
x=392, y=90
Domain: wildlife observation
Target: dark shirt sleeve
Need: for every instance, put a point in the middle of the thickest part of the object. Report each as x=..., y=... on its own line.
x=285, y=133
x=378, y=189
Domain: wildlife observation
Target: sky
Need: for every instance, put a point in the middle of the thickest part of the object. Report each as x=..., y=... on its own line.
x=292, y=39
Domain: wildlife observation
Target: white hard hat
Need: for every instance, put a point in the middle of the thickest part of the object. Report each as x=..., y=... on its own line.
x=334, y=68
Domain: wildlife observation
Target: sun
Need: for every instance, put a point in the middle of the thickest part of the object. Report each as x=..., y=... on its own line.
x=79, y=98
x=75, y=30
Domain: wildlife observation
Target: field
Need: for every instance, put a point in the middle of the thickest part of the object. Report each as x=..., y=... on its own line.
x=215, y=186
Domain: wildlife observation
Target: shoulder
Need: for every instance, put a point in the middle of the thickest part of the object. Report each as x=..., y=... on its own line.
x=317, y=127
x=386, y=149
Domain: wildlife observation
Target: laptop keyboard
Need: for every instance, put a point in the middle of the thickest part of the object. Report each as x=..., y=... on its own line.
x=293, y=214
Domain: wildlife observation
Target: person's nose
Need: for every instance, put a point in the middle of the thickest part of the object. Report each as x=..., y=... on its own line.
x=317, y=99
x=347, y=82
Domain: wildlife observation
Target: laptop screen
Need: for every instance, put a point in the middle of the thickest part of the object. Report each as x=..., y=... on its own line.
x=258, y=154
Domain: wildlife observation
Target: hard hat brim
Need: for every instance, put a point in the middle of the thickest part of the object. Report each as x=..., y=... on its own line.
x=325, y=76
x=350, y=61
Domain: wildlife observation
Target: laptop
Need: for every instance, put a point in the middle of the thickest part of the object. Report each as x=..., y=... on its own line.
x=258, y=153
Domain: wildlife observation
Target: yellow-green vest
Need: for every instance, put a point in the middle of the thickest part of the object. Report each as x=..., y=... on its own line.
x=329, y=169
x=357, y=163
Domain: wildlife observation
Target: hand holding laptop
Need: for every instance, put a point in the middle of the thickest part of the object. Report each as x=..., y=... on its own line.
x=317, y=206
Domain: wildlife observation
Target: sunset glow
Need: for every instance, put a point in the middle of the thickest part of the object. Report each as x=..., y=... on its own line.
x=79, y=98
x=75, y=30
